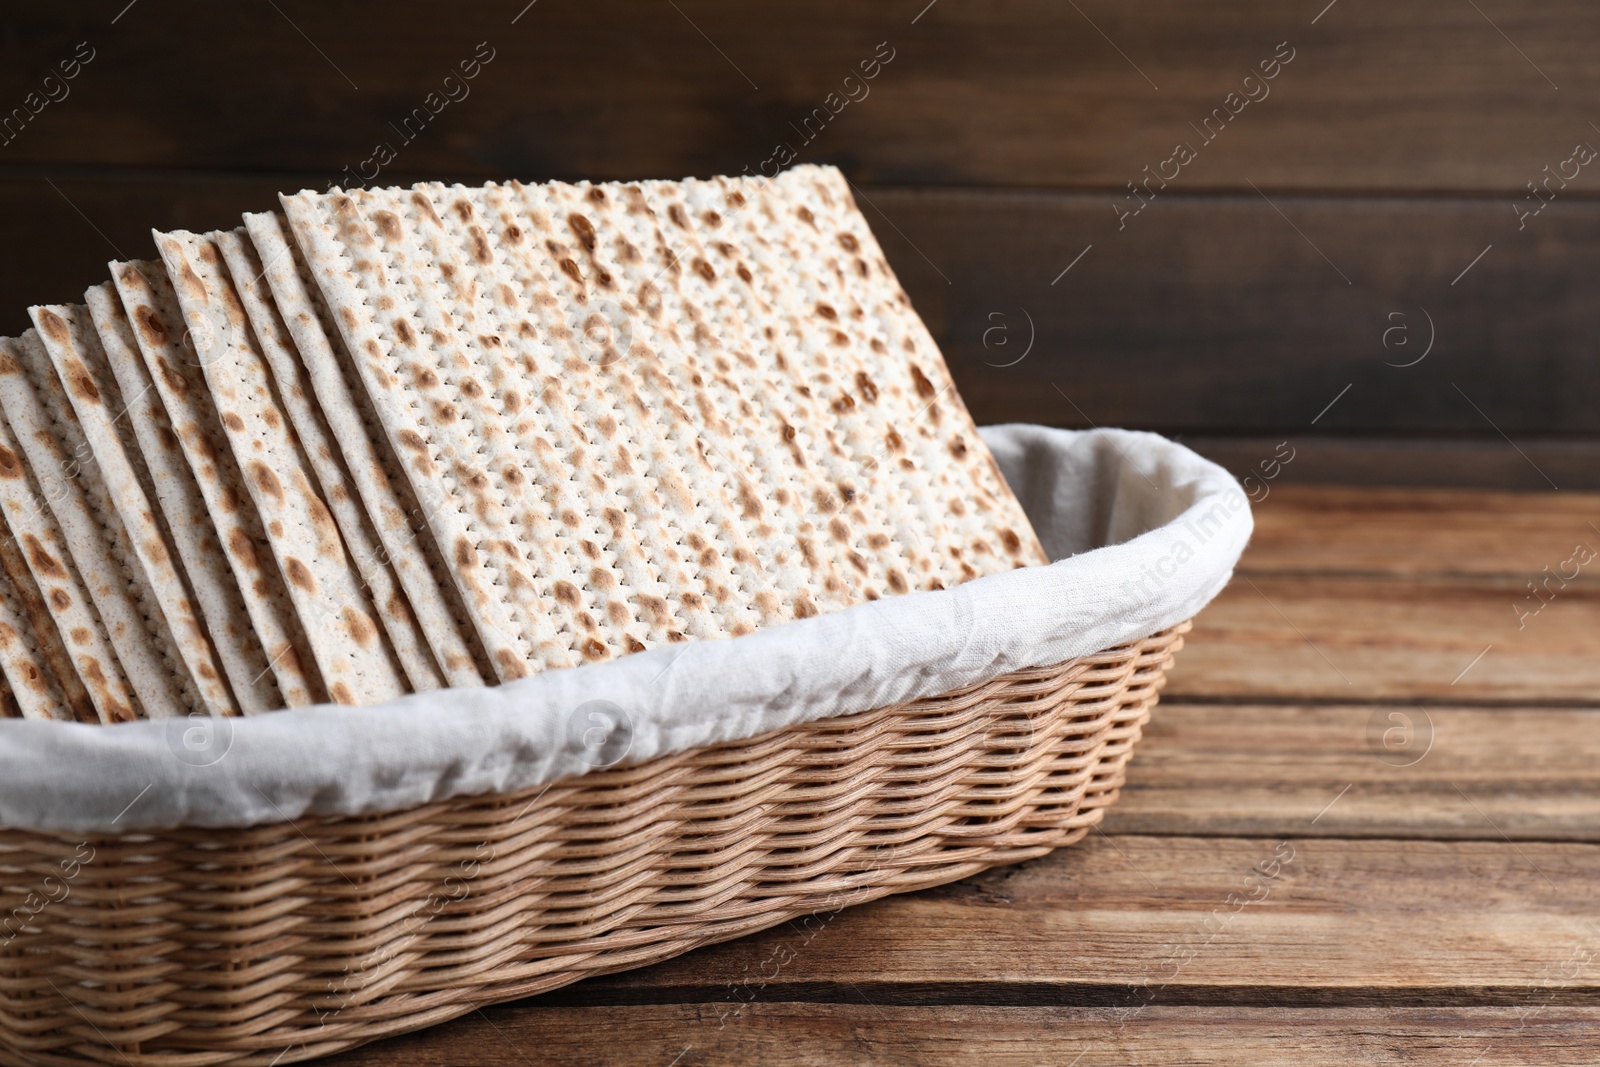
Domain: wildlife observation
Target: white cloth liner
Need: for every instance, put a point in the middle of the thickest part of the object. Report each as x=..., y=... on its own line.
x=1144, y=533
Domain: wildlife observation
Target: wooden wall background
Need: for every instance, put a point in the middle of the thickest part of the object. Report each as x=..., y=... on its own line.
x=1367, y=204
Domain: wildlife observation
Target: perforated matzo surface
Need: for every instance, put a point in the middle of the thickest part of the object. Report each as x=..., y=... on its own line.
x=174, y=366
x=635, y=414
x=352, y=652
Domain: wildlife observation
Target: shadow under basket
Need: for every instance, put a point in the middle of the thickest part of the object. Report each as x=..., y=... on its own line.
x=286, y=942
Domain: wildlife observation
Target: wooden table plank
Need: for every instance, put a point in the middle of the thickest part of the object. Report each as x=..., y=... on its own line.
x=1421, y=532
x=1212, y=314
x=808, y=1035
x=1423, y=96
x=1393, y=458
x=1207, y=314
x=1339, y=639
x=1349, y=920
x=1439, y=773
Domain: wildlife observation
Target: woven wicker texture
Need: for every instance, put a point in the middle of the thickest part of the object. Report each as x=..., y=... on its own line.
x=287, y=942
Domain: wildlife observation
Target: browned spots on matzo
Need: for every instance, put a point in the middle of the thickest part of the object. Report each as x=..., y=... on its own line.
x=175, y=380
x=10, y=465
x=361, y=627
x=425, y=206
x=243, y=549
x=479, y=242
x=81, y=382
x=388, y=224
x=511, y=667
x=322, y=524
x=44, y=564
x=583, y=229
x=190, y=283
x=54, y=326
x=266, y=480
x=299, y=574
x=149, y=323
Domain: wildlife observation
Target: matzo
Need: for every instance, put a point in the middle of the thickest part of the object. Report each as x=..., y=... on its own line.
x=336, y=616
x=704, y=316
x=45, y=427
x=603, y=352
x=524, y=483
x=633, y=416
x=355, y=658
x=228, y=624
x=458, y=480
x=70, y=339
x=399, y=520
x=175, y=368
x=839, y=259
x=37, y=667
x=65, y=592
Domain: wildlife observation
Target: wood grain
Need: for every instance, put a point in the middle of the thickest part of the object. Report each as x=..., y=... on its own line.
x=1204, y=314
x=1334, y=639
x=1373, y=459
x=808, y=1035
x=1419, y=532
x=1397, y=771
x=1237, y=312
x=1425, y=96
x=1339, y=923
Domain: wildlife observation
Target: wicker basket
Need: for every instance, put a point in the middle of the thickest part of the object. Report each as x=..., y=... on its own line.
x=287, y=942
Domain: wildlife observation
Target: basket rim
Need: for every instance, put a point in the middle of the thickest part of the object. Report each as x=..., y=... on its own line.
x=1143, y=533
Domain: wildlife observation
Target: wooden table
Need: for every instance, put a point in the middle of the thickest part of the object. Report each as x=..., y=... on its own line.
x=1363, y=827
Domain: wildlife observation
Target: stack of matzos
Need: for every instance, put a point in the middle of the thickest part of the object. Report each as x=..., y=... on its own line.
x=396, y=440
